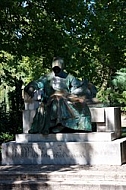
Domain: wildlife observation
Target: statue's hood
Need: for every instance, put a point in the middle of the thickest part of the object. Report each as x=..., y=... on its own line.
x=57, y=63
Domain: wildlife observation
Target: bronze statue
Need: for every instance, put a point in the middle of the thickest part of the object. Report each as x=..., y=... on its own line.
x=63, y=104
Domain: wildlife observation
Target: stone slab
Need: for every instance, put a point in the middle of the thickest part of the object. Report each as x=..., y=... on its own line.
x=97, y=114
x=33, y=103
x=67, y=137
x=65, y=153
x=31, y=106
x=28, y=119
x=113, y=120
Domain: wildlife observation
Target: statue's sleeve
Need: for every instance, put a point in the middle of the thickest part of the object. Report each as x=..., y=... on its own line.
x=77, y=87
x=38, y=84
x=74, y=83
x=34, y=85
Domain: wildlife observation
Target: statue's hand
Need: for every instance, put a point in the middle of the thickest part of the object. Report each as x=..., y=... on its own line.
x=27, y=98
x=30, y=91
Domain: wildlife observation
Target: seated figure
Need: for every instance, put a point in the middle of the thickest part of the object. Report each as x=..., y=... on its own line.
x=63, y=104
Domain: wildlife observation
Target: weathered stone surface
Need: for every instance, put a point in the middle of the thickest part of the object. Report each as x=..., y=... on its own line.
x=27, y=119
x=65, y=177
x=113, y=120
x=31, y=106
x=63, y=185
x=67, y=137
x=101, y=127
x=97, y=114
x=82, y=153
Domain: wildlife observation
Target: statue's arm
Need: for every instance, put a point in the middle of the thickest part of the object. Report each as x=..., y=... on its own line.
x=34, y=85
x=75, y=86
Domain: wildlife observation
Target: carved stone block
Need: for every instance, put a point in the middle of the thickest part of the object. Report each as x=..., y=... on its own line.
x=67, y=137
x=113, y=120
x=82, y=153
x=28, y=116
x=97, y=114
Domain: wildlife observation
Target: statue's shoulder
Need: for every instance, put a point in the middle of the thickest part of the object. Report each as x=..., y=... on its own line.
x=70, y=76
x=49, y=76
x=45, y=77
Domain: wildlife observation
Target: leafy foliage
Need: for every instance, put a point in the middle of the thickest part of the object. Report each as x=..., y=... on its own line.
x=119, y=83
x=116, y=94
x=119, y=80
x=4, y=137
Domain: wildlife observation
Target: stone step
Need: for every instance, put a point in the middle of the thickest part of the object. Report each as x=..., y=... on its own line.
x=52, y=177
x=59, y=176
x=62, y=185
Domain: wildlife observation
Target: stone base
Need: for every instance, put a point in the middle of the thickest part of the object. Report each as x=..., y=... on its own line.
x=67, y=137
x=65, y=153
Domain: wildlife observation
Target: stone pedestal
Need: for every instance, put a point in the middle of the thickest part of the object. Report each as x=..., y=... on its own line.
x=67, y=137
x=93, y=148
x=64, y=152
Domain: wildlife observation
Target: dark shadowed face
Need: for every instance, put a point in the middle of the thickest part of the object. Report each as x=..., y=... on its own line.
x=56, y=69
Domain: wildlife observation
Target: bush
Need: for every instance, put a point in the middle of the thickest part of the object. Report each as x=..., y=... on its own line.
x=115, y=94
x=5, y=137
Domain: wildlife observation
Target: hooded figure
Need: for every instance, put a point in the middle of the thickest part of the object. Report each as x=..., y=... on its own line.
x=61, y=109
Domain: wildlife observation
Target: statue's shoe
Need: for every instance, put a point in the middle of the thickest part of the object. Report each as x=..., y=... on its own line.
x=32, y=132
x=57, y=129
